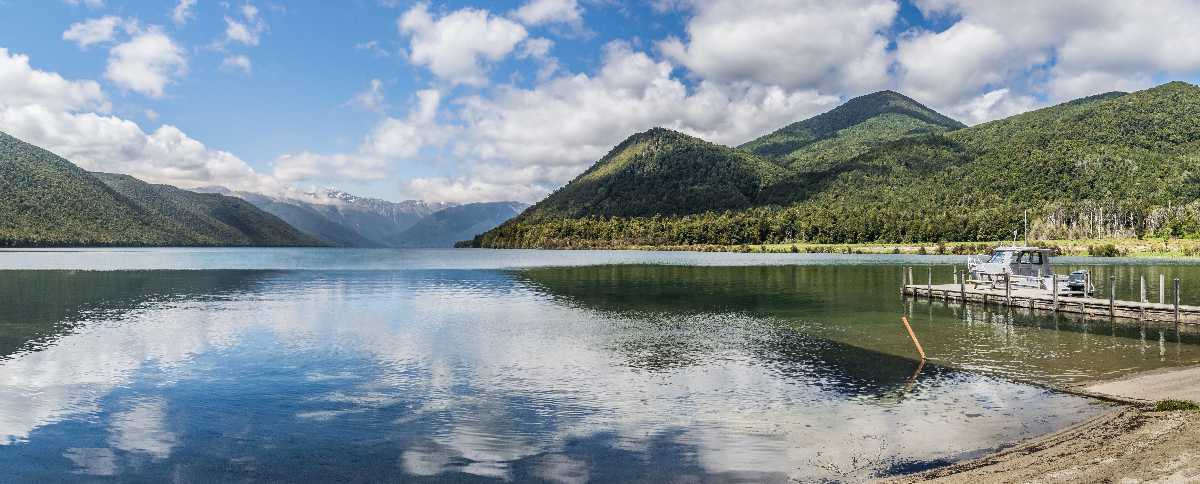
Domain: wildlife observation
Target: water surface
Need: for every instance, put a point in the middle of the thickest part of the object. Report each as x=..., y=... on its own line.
x=344, y=365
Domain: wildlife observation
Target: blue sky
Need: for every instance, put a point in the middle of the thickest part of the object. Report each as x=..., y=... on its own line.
x=465, y=101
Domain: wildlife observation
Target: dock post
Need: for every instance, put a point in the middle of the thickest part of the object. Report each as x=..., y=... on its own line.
x=1008, y=289
x=911, y=281
x=962, y=287
x=1112, y=295
x=1054, y=292
x=1162, y=288
x=1143, y=290
x=1176, y=300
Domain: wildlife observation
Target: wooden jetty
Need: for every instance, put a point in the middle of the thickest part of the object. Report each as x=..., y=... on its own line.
x=1040, y=299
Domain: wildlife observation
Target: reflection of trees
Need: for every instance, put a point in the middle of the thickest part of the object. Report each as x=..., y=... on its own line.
x=671, y=317
x=43, y=305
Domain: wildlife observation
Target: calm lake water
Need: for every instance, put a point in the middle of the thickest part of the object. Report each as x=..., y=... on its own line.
x=324, y=365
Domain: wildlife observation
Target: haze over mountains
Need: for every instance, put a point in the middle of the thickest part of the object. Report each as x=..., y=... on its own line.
x=882, y=167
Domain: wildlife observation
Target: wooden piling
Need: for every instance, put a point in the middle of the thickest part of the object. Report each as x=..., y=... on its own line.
x=1176, y=300
x=1054, y=292
x=1112, y=295
x=962, y=287
x=913, y=335
x=1142, y=297
x=1008, y=289
x=1162, y=288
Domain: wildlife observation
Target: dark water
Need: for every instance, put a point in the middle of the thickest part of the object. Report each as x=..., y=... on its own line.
x=473, y=366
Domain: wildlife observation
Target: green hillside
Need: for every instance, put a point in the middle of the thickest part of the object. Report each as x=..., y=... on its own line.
x=211, y=218
x=849, y=130
x=48, y=201
x=662, y=172
x=1109, y=165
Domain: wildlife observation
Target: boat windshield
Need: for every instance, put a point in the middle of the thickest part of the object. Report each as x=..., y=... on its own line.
x=1001, y=257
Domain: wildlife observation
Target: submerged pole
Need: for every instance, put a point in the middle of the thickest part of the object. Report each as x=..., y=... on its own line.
x=1008, y=289
x=1112, y=295
x=913, y=335
x=1176, y=300
x=1054, y=291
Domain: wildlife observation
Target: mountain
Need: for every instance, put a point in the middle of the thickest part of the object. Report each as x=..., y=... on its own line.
x=302, y=216
x=1114, y=164
x=449, y=226
x=662, y=172
x=849, y=130
x=48, y=201
x=378, y=221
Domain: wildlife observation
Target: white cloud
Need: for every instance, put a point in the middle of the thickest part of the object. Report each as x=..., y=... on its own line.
x=247, y=29
x=146, y=63
x=88, y=3
x=97, y=30
x=1060, y=50
x=237, y=62
x=372, y=99
x=794, y=44
x=456, y=46
x=991, y=105
x=58, y=114
x=183, y=12
x=373, y=47
x=390, y=141
x=466, y=190
x=22, y=85
x=532, y=140
x=538, y=12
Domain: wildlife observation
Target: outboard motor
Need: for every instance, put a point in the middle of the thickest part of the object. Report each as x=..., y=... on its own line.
x=1078, y=281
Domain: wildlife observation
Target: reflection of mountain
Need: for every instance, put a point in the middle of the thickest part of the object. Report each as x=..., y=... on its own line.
x=54, y=302
x=858, y=307
x=714, y=302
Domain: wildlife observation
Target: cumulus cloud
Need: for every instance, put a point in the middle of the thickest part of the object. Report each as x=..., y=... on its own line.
x=98, y=30
x=237, y=62
x=183, y=12
x=22, y=85
x=1057, y=50
x=529, y=141
x=390, y=141
x=146, y=63
x=61, y=115
x=456, y=46
x=538, y=12
x=825, y=44
x=245, y=29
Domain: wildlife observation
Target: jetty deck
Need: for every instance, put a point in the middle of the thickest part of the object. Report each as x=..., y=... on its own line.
x=1039, y=299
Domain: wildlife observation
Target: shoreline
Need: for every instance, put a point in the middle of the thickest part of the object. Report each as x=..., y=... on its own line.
x=1119, y=247
x=1133, y=441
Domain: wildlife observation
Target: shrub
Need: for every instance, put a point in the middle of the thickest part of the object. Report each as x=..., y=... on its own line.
x=1173, y=405
x=1104, y=250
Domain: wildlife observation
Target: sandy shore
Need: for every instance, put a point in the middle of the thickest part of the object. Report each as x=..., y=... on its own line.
x=1130, y=444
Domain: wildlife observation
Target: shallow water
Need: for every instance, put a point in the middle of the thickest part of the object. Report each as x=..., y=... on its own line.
x=343, y=365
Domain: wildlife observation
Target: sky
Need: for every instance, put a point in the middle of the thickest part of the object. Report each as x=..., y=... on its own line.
x=508, y=100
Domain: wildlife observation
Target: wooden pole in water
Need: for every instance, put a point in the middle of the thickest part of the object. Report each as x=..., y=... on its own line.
x=1162, y=288
x=1176, y=300
x=913, y=335
x=962, y=286
x=1142, y=296
x=1113, y=294
x=911, y=281
x=1008, y=289
x=1054, y=291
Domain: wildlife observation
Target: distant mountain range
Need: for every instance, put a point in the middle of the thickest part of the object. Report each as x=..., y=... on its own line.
x=882, y=167
x=46, y=200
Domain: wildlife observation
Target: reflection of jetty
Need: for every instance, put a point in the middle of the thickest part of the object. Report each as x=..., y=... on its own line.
x=1043, y=300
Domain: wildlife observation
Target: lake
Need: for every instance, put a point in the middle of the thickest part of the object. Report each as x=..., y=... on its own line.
x=324, y=365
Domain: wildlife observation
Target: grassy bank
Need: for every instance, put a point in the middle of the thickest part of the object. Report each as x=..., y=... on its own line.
x=1170, y=248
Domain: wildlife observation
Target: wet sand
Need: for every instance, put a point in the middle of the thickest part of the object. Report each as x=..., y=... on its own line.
x=1133, y=443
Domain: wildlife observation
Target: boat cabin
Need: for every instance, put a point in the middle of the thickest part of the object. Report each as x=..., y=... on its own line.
x=1024, y=267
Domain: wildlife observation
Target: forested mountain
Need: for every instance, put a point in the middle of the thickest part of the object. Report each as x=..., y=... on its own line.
x=379, y=221
x=1109, y=165
x=48, y=201
x=662, y=172
x=849, y=130
x=449, y=226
